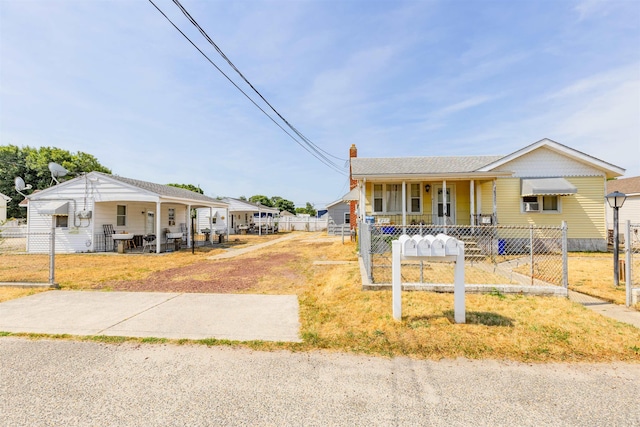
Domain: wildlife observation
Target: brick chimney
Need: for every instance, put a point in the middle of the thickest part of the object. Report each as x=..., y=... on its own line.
x=353, y=152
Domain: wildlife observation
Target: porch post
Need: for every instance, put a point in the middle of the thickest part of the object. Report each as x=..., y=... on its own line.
x=228, y=222
x=158, y=225
x=211, y=225
x=189, y=238
x=472, y=192
x=495, y=202
x=361, y=208
x=404, y=206
x=445, y=211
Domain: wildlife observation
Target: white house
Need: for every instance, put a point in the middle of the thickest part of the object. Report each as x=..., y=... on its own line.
x=88, y=210
x=630, y=210
x=242, y=216
x=3, y=207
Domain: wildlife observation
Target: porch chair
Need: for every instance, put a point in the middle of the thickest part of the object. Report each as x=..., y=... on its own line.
x=108, y=236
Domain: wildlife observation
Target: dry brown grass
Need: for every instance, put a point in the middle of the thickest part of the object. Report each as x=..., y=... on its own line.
x=592, y=274
x=7, y=293
x=337, y=315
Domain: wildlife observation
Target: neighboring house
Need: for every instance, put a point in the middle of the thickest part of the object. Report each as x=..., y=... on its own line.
x=339, y=212
x=84, y=208
x=3, y=207
x=544, y=183
x=242, y=216
x=630, y=210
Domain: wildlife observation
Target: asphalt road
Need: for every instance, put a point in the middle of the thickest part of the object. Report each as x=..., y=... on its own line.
x=71, y=383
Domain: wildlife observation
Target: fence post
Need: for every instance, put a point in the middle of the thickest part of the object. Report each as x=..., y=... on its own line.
x=396, y=280
x=627, y=248
x=531, y=250
x=565, y=257
x=52, y=252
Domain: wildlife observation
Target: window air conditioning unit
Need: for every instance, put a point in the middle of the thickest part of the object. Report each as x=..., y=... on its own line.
x=531, y=207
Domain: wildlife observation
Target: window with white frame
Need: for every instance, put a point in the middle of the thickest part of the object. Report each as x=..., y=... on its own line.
x=541, y=204
x=347, y=218
x=415, y=200
x=377, y=198
x=394, y=198
x=62, y=221
x=121, y=215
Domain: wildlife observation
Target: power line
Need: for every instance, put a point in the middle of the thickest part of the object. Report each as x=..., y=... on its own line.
x=232, y=65
x=310, y=149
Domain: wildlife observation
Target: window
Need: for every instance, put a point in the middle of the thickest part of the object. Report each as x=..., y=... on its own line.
x=172, y=216
x=550, y=203
x=540, y=204
x=62, y=221
x=413, y=203
x=377, y=197
x=121, y=216
x=394, y=198
x=347, y=218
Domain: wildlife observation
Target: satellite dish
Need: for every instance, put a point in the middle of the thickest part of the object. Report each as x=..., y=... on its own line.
x=20, y=185
x=57, y=171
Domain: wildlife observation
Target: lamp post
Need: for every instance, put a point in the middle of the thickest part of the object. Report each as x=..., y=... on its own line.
x=615, y=200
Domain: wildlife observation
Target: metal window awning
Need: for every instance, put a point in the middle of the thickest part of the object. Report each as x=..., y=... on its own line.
x=353, y=195
x=54, y=208
x=547, y=187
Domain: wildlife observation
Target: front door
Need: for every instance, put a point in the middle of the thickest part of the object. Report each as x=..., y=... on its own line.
x=442, y=212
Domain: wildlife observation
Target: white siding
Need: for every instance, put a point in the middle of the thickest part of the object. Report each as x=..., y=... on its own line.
x=629, y=211
x=544, y=162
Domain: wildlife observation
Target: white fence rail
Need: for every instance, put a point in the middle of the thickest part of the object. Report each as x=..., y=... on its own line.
x=294, y=223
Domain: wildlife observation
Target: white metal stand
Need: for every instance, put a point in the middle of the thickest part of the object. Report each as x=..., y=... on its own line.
x=441, y=248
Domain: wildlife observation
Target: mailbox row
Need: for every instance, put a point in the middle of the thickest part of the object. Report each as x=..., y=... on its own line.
x=440, y=245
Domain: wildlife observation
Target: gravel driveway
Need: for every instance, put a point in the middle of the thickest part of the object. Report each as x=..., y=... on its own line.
x=93, y=384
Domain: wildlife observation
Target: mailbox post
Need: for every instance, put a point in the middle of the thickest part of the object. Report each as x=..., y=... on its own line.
x=440, y=248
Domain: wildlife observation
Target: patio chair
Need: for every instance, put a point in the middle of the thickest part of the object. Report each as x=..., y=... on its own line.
x=108, y=236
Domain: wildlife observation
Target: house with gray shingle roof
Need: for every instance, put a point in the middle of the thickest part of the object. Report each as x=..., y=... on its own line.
x=87, y=211
x=544, y=183
x=630, y=210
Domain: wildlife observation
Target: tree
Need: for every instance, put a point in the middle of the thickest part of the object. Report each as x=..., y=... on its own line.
x=263, y=200
x=283, y=204
x=190, y=187
x=308, y=209
x=32, y=165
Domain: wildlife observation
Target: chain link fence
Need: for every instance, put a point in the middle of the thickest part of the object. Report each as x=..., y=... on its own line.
x=494, y=255
x=13, y=245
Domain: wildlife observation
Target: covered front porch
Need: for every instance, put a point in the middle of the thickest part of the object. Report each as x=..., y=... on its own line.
x=429, y=202
x=161, y=226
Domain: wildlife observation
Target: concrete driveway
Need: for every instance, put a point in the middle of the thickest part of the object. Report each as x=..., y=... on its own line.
x=152, y=314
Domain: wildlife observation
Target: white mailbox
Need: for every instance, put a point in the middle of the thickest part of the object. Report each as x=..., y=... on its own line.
x=424, y=246
x=450, y=244
x=441, y=248
x=409, y=247
x=437, y=245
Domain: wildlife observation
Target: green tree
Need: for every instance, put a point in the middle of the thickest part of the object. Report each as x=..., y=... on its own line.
x=308, y=209
x=283, y=204
x=32, y=165
x=263, y=200
x=190, y=187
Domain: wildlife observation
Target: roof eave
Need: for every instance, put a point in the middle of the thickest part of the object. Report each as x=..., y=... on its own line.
x=433, y=176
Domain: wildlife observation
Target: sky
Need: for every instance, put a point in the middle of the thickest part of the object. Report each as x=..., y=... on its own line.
x=113, y=78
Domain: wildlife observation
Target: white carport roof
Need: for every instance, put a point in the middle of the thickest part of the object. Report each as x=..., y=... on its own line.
x=237, y=205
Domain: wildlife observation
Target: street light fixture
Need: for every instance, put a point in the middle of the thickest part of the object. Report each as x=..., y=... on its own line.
x=616, y=200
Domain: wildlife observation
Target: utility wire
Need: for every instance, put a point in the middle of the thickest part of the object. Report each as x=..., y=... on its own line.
x=306, y=147
x=232, y=65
